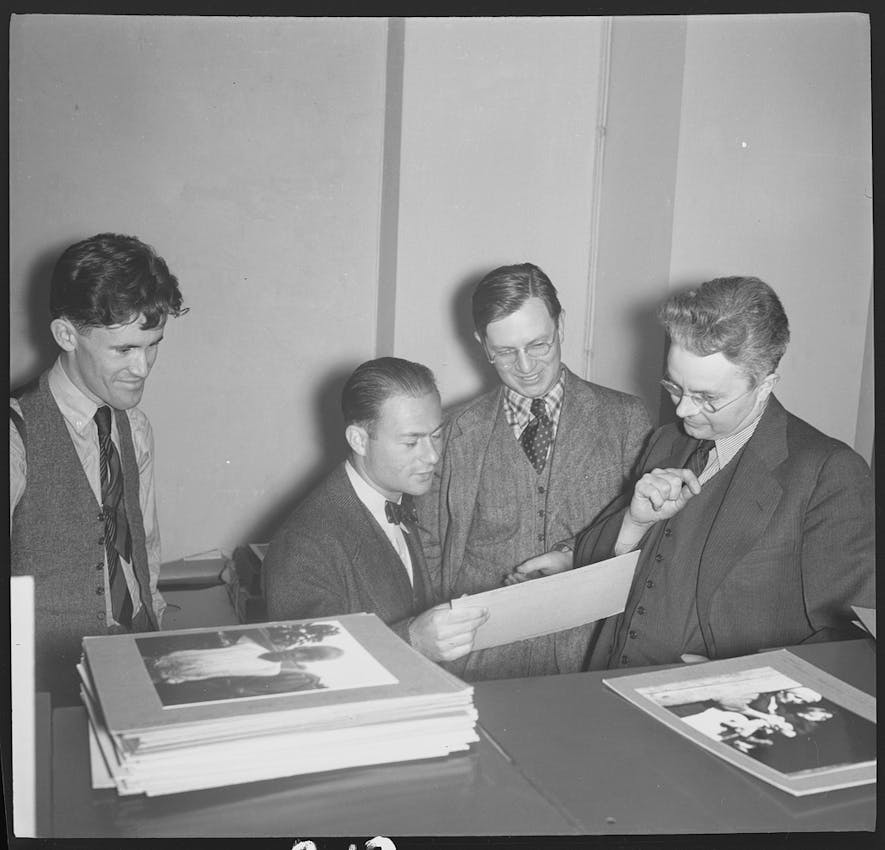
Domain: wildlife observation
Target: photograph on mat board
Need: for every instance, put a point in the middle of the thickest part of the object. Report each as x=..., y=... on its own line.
x=230, y=664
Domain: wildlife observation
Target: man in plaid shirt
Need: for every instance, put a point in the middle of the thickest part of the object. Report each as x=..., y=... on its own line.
x=524, y=467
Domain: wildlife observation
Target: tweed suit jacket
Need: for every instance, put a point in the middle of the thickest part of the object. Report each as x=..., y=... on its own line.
x=600, y=435
x=330, y=557
x=791, y=549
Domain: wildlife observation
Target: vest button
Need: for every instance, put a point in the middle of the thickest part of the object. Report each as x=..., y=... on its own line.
x=541, y=512
x=100, y=616
x=100, y=566
x=101, y=541
x=649, y=583
x=668, y=532
x=624, y=660
x=633, y=634
x=659, y=557
x=640, y=610
x=101, y=516
x=540, y=538
x=99, y=591
x=541, y=488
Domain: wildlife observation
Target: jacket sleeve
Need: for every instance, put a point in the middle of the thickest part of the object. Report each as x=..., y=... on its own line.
x=637, y=429
x=300, y=575
x=838, y=545
x=597, y=541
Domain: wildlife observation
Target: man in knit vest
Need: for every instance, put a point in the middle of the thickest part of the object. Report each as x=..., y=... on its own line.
x=82, y=508
x=352, y=544
x=525, y=467
x=756, y=530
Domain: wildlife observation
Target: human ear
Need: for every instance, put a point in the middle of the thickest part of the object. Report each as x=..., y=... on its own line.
x=560, y=326
x=356, y=437
x=766, y=385
x=482, y=345
x=64, y=333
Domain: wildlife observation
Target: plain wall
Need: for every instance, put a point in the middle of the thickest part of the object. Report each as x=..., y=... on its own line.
x=775, y=180
x=249, y=153
x=637, y=195
x=498, y=145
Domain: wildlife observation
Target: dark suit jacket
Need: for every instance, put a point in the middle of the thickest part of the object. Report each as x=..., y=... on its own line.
x=330, y=557
x=791, y=549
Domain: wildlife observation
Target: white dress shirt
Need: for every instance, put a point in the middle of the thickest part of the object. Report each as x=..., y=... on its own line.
x=374, y=501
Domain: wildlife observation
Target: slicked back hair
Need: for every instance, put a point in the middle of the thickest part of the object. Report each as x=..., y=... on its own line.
x=505, y=289
x=741, y=317
x=375, y=381
x=110, y=279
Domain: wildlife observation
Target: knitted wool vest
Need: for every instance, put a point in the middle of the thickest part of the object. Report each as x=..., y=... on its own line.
x=57, y=536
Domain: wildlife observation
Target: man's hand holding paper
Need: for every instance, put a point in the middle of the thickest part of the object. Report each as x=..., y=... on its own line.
x=547, y=564
x=552, y=603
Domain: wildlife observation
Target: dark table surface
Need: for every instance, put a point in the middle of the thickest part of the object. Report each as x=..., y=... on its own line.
x=558, y=755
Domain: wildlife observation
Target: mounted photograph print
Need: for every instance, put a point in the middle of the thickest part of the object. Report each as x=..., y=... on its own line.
x=771, y=714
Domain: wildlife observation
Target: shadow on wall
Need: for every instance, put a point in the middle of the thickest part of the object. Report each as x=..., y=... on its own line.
x=326, y=404
x=461, y=317
x=38, y=338
x=649, y=360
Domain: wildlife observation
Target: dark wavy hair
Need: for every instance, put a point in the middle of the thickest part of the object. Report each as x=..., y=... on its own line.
x=505, y=289
x=375, y=381
x=741, y=317
x=111, y=279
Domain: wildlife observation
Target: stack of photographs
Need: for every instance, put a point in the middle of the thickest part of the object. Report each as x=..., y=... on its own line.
x=772, y=714
x=202, y=708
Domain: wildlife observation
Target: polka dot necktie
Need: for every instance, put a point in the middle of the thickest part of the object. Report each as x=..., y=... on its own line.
x=537, y=436
x=117, y=540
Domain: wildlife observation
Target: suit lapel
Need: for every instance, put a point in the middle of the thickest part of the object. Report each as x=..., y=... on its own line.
x=373, y=553
x=751, y=498
x=420, y=576
x=467, y=447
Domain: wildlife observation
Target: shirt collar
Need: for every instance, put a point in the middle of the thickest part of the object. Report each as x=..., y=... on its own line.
x=728, y=447
x=76, y=408
x=367, y=494
x=518, y=408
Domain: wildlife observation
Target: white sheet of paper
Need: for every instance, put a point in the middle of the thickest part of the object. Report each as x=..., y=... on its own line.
x=553, y=603
x=867, y=618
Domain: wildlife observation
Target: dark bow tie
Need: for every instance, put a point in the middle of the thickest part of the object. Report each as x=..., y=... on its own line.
x=400, y=514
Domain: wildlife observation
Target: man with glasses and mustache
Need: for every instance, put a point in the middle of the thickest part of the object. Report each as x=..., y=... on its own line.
x=525, y=466
x=756, y=529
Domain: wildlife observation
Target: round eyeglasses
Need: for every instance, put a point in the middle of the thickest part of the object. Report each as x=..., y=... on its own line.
x=506, y=357
x=677, y=394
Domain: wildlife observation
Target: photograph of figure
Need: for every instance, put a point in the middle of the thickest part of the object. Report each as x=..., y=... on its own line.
x=792, y=730
x=258, y=662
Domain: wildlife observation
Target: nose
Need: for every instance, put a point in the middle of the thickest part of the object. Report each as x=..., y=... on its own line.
x=524, y=363
x=140, y=364
x=431, y=454
x=686, y=406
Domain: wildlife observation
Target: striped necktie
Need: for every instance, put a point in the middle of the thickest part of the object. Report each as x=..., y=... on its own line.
x=697, y=461
x=117, y=540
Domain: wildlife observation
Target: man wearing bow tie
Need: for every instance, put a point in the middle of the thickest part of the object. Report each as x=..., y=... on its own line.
x=83, y=517
x=352, y=545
